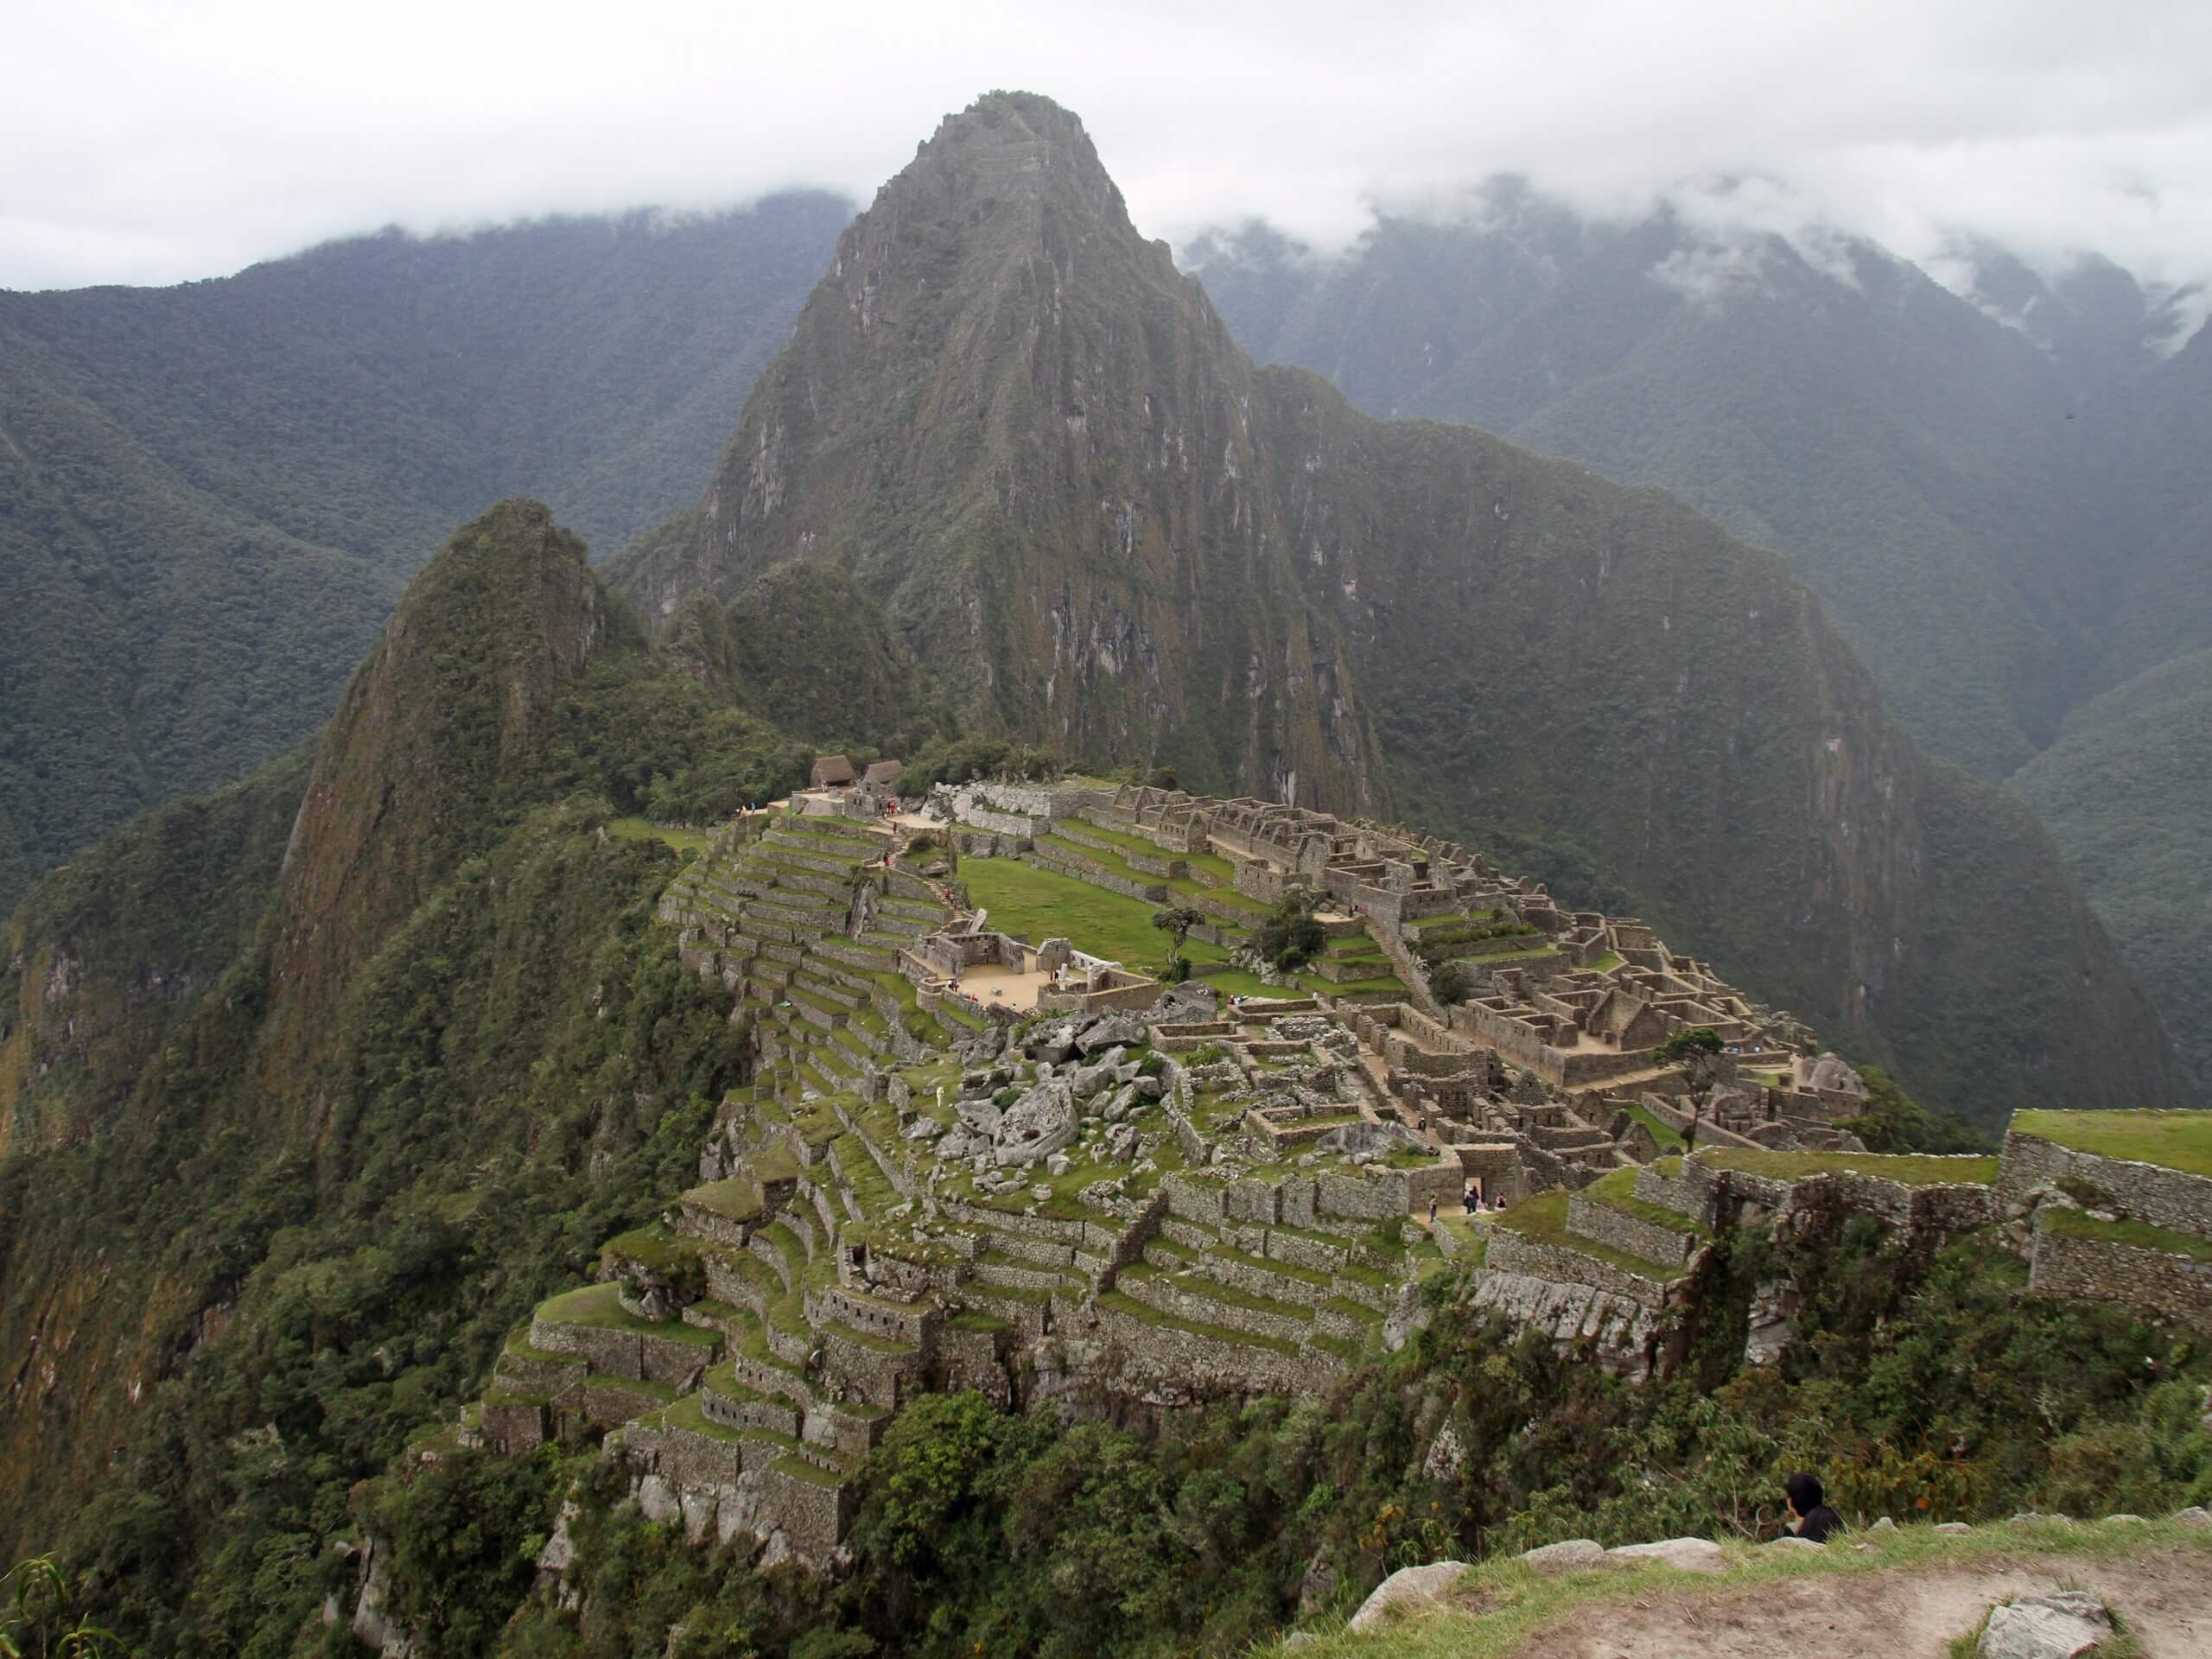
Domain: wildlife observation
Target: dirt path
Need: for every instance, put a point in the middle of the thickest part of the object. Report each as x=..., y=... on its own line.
x=2164, y=1597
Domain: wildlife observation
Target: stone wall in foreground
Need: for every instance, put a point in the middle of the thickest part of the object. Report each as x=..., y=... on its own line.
x=2177, y=1288
x=2171, y=1198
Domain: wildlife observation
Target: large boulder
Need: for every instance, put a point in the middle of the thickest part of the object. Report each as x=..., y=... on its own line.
x=2061, y=1625
x=1688, y=1554
x=1405, y=1589
x=1115, y=1028
x=1036, y=1126
x=1565, y=1557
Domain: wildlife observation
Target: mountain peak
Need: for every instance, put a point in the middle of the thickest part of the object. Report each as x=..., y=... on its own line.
x=451, y=708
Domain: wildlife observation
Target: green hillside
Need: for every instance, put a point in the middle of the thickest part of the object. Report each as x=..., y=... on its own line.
x=2127, y=791
x=212, y=495
x=360, y=1100
x=1910, y=454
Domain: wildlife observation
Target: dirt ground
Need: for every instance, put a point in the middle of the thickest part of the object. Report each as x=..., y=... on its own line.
x=2163, y=1596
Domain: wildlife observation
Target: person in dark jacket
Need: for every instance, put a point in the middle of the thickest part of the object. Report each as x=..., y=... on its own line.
x=1807, y=1503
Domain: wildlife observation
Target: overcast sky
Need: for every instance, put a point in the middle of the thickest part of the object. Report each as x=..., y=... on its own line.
x=146, y=142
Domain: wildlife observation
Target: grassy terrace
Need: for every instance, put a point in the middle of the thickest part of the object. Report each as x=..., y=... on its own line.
x=736, y=1199
x=2073, y=1224
x=1665, y=1135
x=1907, y=1169
x=1128, y=840
x=2179, y=1141
x=652, y=1247
x=1117, y=1302
x=1036, y=904
x=1616, y=1191
x=598, y=1306
x=1542, y=1220
x=684, y=841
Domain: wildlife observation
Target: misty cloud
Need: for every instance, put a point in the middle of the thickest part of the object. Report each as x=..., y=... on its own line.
x=145, y=141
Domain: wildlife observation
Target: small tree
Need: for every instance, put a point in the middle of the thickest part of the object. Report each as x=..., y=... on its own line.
x=1291, y=937
x=1449, y=982
x=1695, y=1049
x=1177, y=921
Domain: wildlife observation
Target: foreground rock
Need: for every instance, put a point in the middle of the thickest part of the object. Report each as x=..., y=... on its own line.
x=2057, y=1626
x=1407, y=1589
x=1686, y=1555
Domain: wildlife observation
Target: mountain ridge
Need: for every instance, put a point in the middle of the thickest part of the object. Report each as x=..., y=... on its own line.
x=1032, y=442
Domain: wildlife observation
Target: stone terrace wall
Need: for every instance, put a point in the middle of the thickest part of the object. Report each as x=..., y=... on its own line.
x=1589, y=1219
x=1942, y=1207
x=1204, y=1366
x=2090, y=1269
x=1512, y=1252
x=1673, y=1194
x=2165, y=1198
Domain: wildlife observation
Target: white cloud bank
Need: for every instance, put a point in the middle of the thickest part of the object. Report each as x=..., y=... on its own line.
x=153, y=141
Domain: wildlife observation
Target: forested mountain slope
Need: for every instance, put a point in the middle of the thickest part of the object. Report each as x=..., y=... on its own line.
x=1031, y=441
x=314, y=1087
x=1939, y=476
x=211, y=495
x=1999, y=493
x=2127, y=792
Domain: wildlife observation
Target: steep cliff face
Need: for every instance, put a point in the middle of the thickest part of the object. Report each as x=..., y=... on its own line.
x=1034, y=445
x=1030, y=439
x=433, y=743
x=109, y=951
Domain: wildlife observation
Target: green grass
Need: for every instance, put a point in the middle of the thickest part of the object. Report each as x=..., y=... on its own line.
x=799, y=1468
x=653, y=1247
x=2179, y=1140
x=736, y=1199
x=1036, y=904
x=684, y=841
x=1616, y=1191
x=1607, y=963
x=1121, y=1303
x=599, y=1305
x=1662, y=1133
x=2073, y=1224
x=1908, y=1169
x=1128, y=840
x=1542, y=1220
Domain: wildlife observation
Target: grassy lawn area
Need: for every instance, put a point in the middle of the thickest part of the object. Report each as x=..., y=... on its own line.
x=1616, y=1191
x=2176, y=1140
x=1542, y=1220
x=684, y=841
x=1908, y=1169
x=599, y=1305
x=2073, y=1224
x=1037, y=905
x=1607, y=963
x=1661, y=1132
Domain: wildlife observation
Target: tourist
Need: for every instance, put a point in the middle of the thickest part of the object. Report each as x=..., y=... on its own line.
x=1432, y=1215
x=1807, y=1503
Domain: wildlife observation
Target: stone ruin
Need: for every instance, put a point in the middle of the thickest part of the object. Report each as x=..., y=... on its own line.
x=1132, y=1190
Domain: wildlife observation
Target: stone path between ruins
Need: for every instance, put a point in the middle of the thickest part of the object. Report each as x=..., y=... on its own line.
x=2163, y=1596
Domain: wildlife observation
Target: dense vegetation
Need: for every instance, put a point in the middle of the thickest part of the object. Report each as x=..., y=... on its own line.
x=304, y=1192
x=2128, y=790
x=1930, y=1390
x=211, y=495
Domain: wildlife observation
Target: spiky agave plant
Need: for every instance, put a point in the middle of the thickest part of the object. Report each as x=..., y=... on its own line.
x=45, y=1622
